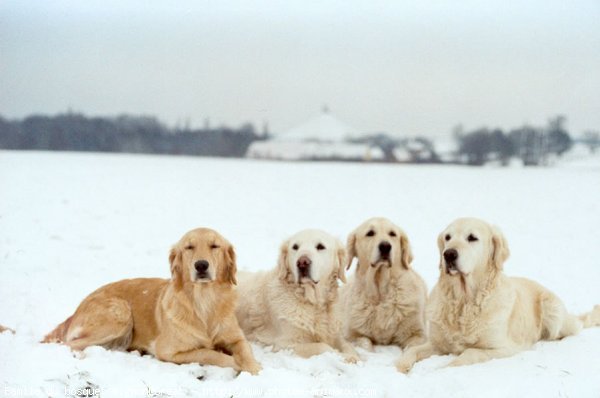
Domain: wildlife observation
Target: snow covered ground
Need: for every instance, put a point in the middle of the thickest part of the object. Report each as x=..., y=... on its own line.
x=70, y=223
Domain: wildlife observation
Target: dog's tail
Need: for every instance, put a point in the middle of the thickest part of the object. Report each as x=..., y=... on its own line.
x=58, y=334
x=4, y=329
x=592, y=318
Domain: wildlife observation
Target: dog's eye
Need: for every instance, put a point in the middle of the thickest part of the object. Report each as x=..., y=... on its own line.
x=189, y=247
x=320, y=246
x=214, y=246
x=472, y=238
x=447, y=238
x=371, y=233
x=392, y=234
x=295, y=247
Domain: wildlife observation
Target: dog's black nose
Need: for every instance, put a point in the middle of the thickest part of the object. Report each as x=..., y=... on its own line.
x=304, y=262
x=201, y=265
x=385, y=248
x=450, y=255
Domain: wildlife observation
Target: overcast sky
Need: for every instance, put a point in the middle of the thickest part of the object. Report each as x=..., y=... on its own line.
x=406, y=67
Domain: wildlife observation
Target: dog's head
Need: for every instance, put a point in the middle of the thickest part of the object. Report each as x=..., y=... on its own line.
x=202, y=256
x=469, y=245
x=311, y=256
x=379, y=243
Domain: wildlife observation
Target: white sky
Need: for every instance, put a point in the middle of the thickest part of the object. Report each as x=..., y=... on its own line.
x=406, y=67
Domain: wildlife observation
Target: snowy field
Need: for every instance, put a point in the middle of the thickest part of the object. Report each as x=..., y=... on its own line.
x=70, y=223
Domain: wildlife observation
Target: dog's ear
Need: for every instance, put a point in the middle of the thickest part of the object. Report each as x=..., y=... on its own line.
x=229, y=270
x=350, y=249
x=176, y=267
x=440, y=243
x=407, y=256
x=282, y=263
x=500, y=250
x=341, y=261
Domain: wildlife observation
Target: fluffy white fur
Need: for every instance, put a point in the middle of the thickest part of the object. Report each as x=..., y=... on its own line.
x=287, y=309
x=478, y=313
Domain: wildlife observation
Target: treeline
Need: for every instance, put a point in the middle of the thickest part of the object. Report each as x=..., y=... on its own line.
x=132, y=134
x=146, y=134
x=532, y=145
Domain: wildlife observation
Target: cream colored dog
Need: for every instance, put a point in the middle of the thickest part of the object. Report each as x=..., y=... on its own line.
x=292, y=306
x=189, y=318
x=384, y=302
x=478, y=313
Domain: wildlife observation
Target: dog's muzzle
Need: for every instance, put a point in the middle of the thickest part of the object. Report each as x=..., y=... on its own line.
x=201, y=267
x=450, y=257
x=385, y=249
x=303, y=264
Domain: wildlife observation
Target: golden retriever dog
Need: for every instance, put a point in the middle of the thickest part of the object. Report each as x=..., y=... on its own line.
x=478, y=313
x=292, y=306
x=189, y=318
x=384, y=302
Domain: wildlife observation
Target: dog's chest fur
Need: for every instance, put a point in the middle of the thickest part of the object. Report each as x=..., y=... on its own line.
x=314, y=323
x=380, y=320
x=458, y=322
x=458, y=327
x=309, y=313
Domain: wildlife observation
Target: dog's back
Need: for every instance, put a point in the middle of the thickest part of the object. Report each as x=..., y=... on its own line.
x=106, y=317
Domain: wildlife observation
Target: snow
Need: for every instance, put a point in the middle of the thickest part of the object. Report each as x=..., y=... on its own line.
x=70, y=223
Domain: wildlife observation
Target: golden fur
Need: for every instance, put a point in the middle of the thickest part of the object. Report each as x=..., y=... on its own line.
x=285, y=309
x=478, y=313
x=384, y=302
x=4, y=329
x=189, y=318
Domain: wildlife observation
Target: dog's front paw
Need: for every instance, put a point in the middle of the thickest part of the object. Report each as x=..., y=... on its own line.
x=365, y=343
x=252, y=368
x=404, y=366
x=460, y=360
x=351, y=358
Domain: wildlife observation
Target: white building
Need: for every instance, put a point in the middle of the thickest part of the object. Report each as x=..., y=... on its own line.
x=320, y=138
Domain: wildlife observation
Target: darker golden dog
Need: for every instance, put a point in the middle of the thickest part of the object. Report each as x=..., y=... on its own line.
x=189, y=318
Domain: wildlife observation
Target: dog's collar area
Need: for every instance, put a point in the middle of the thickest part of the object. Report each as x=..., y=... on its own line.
x=381, y=262
x=451, y=268
x=454, y=271
x=305, y=280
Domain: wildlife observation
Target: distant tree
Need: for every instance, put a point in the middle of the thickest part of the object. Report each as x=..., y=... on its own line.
x=559, y=140
x=502, y=146
x=534, y=145
x=483, y=145
x=475, y=146
x=37, y=132
x=529, y=145
x=125, y=133
x=10, y=137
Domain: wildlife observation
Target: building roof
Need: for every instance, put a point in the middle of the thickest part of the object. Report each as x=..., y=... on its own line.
x=321, y=128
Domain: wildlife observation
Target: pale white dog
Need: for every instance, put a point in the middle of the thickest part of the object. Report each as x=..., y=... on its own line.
x=292, y=306
x=478, y=313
